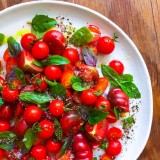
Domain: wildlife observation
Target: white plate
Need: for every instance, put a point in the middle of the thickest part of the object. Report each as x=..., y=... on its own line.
x=14, y=18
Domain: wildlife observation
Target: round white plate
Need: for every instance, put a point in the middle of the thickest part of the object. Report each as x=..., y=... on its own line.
x=14, y=18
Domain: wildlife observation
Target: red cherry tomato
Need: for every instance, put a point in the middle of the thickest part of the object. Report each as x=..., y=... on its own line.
x=114, y=148
x=71, y=54
x=39, y=152
x=88, y=97
x=103, y=104
x=53, y=146
x=111, y=118
x=66, y=78
x=28, y=40
x=6, y=112
x=40, y=50
x=117, y=66
x=56, y=41
x=118, y=98
x=56, y=107
x=4, y=126
x=6, y=55
x=47, y=129
x=106, y=157
x=114, y=133
x=32, y=114
x=105, y=45
x=1, y=153
x=18, y=110
x=52, y=72
x=10, y=63
x=26, y=156
x=9, y=95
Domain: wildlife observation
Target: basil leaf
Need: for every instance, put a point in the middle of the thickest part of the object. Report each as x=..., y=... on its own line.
x=1, y=102
x=128, y=122
x=6, y=146
x=38, y=34
x=1, y=38
x=55, y=60
x=89, y=57
x=37, y=63
x=126, y=78
x=81, y=36
x=7, y=135
x=78, y=86
x=50, y=83
x=58, y=130
x=104, y=145
x=13, y=47
x=29, y=138
x=42, y=23
x=20, y=75
x=96, y=115
x=35, y=97
x=58, y=90
x=75, y=79
x=95, y=158
x=116, y=112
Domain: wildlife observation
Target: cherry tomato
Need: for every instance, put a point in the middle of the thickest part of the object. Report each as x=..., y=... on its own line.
x=88, y=97
x=18, y=110
x=56, y=41
x=114, y=148
x=71, y=122
x=118, y=98
x=95, y=32
x=106, y=157
x=32, y=114
x=117, y=66
x=47, y=129
x=9, y=95
x=66, y=78
x=105, y=45
x=10, y=63
x=56, y=107
x=111, y=118
x=67, y=67
x=53, y=146
x=4, y=126
x=103, y=104
x=71, y=54
x=39, y=83
x=114, y=133
x=1, y=153
x=39, y=152
x=6, y=112
x=40, y=50
x=28, y=40
x=6, y=55
x=26, y=156
x=97, y=132
x=52, y=72
x=102, y=85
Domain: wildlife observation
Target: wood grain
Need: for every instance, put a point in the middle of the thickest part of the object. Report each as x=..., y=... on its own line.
x=140, y=19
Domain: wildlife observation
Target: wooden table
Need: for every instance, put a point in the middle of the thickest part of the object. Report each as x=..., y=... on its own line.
x=140, y=19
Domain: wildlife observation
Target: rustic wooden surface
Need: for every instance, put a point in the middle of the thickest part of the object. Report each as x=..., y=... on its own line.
x=140, y=19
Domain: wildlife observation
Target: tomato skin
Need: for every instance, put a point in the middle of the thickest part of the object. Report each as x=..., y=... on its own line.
x=32, y=114
x=71, y=54
x=18, y=110
x=114, y=148
x=103, y=102
x=88, y=97
x=106, y=157
x=26, y=156
x=53, y=146
x=114, y=133
x=6, y=112
x=1, y=81
x=56, y=41
x=56, y=107
x=47, y=129
x=10, y=63
x=38, y=152
x=40, y=50
x=1, y=153
x=118, y=98
x=66, y=78
x=52, y=72
x=9, y=95
x=4, y=126
x=28, y=40
x=6, y=55
x=117, y=66
x=105, y=45
x=111, y=118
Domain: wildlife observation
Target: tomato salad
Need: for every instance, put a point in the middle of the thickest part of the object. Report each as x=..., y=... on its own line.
x=54, y=103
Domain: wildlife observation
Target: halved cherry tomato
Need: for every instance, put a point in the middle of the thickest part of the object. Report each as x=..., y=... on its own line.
x=117, y=66
x=1, y=81
x=6, y=55
x=111, y=118
x=10, y=63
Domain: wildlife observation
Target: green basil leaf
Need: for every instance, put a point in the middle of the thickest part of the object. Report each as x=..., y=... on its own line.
x=96, y=115
x=131, y=90
x=20, y=75
x=58, y=130
x=128, y=122
x=6, y=146
x=50, y=83
x=35, y=97
x=29, y=138
x=78, y=86
x=81, y=36
x=116, y=112
x=1, y=87
x=126, y=78
x=37, y=63
x=58, y=90
x=75, y=79
x=13, y=47
x=55, y=60
x=104, y=145
x=95, y=158
x=38, y=34
x=1, y=38
x=7, y=135
x=42, y=23
x=1, y=102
